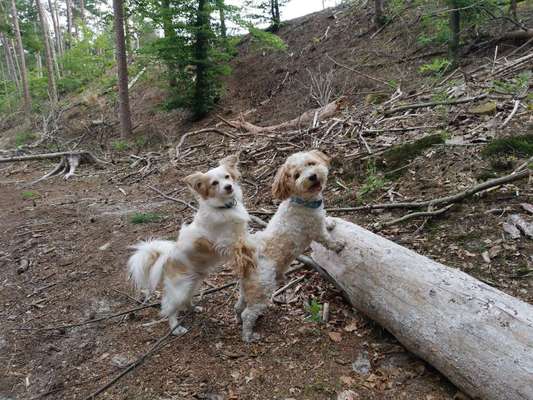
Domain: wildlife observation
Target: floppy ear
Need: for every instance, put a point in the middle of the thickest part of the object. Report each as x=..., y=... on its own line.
x=281, y=188
x=230, y=163
x=198, y=183
x=321, y=156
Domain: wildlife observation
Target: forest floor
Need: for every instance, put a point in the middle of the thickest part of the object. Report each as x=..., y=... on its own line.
x=65, y=243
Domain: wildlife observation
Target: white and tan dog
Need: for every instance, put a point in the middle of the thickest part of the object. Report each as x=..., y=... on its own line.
x=299, y=220
x=219, y=227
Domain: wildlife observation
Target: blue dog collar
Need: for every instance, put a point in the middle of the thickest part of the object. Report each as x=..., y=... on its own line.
x=314, y=204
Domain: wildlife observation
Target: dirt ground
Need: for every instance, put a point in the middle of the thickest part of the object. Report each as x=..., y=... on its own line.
x=64, y=244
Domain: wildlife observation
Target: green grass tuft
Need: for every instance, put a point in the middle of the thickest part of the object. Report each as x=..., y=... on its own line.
x=373, y=181
x=29, y=195
x=120, y=145
x=521, y=145
x=23, y=138
x=145, y=218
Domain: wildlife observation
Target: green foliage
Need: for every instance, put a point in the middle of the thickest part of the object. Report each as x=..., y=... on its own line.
x=521, y=145
x=373, y=181
x=120, y=145
x=314, y=309
x=514, y=86
x=263, y=40
x=23, y=138
x=145, y=218
x=30, y=195
x=436, y=67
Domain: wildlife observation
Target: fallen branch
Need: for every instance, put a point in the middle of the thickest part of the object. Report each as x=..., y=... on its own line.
x=157, y=345
x=442, y=200
x=308, y=117
x=433, y=104
x=413, y=215
x=159, y=192
x=186, y=135
x=85, y=156
x=513, y=112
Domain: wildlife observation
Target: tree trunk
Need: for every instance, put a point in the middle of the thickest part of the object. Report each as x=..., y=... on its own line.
x=477, y=336
x=378, y=13
x=11, y=69
x=39, y=62
x=52, y=88
x=222, y=16
x=23, y=70
x=122, y=70
x=68, y=39
x=455, y=28
x=512, y=10
x=55, y=24
x=201, y=49
x=82, y=11
x=276, y=18
x=170, y=35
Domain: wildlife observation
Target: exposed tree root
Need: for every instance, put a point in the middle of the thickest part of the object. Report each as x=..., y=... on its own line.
x=69, y=161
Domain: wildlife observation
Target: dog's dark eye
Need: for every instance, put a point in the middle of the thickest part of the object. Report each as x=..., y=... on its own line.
x=311, y=163
x=296, y=175
x=214, y=183
x=226, y=177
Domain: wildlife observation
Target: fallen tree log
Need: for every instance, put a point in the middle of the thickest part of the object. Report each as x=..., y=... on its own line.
x=307, y=118
x=477, y=336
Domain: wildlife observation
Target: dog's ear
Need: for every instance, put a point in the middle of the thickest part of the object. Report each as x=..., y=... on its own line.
x=198, y=183
x=324, y=159
x=281, y=188
x=231, y=165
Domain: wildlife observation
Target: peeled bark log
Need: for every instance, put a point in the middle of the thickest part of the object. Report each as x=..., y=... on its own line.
x=310, y=116
x=477, y=336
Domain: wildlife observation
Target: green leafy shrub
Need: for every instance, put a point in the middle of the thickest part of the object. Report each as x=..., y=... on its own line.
x=521, y=145
x=120, y=145
x=23, y=138
x=373, y=181
x=436, y=66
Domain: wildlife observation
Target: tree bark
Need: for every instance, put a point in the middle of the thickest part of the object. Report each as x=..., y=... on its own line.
x=276, y=18
x=52, y=88
x=378, y=13
x=55, y=25
x=68, y=39
x=122, y=70
x=202, y=93
x=11, y=69
x=82, y=11
x=455, y=29
x=170, y=35
x=222, y=16
x=23, y=70
x=477, y=336
x=512, y=9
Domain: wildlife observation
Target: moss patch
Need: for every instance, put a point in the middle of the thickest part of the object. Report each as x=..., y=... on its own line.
x=521, y=145
x=398, y=156
x=145, y=218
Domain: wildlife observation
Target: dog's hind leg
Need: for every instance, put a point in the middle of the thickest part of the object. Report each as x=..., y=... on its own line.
x=240, y=305
x=249, y=318
x=177, y=297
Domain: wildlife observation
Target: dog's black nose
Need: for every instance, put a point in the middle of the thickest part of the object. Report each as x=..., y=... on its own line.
x=228, y=188
x=313, y=178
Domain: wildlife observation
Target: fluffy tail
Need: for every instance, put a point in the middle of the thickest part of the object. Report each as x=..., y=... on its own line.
x=146, y=264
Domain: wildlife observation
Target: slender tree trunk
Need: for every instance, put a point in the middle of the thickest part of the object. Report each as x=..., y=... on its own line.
x=23, y=70
x=378, y=16
x=276, y=18
x=512, y=9
x=60, y=39
x=69, y=23
x=39, y=62
x=201, y=49
x=82, y=11
x=5, y=78
x=122, y=70
x=55, y=26
x=170, y=35
x=455, y=29
x=222, y=16
x=11, y=69
x=52, y=88
x=15, y=57
x=127, y=32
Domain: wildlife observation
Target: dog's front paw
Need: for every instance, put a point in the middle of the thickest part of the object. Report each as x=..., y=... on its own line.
x=330, y=224
x=337, y=246
x=179, y=331
x=250, y=337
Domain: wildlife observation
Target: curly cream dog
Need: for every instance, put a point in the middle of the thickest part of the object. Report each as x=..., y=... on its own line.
x=210, y=240
x=299, y=220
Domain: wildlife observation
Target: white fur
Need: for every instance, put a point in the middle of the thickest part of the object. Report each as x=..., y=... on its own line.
x=222, y=227
x=292, y=223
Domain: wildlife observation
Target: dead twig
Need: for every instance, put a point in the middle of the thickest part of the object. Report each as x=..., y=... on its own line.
x=159, y=192
x=186, y=135
x=433, y=104
x=418, y=214
x=513, y=112
x=360, y=73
